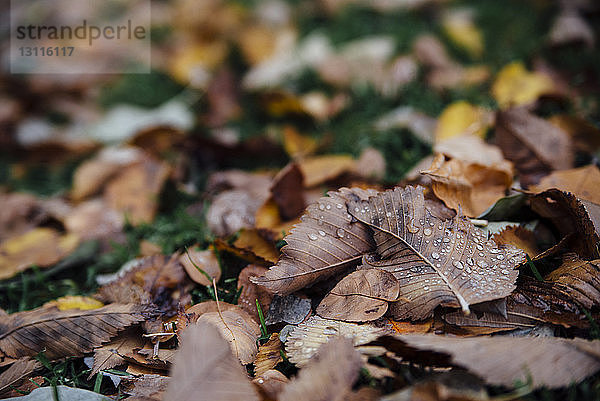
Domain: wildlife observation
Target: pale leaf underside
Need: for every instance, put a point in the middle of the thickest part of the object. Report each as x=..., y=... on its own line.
x=64, y=333
x=323, y=244
x=436, y=262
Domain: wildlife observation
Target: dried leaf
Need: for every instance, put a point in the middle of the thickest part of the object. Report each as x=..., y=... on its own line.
x=204, y=260
x=361, y=296
x=320, y=169
x=252, y=292
x=231, y=211
x=64, y=333
x=580, y=279
x=471, y=149
x=290, y=309
x=318, y=381
x=570, y=27
x=461, y=118
x=519, y=237
x=42, y=247
x=297, y=145
x=110, y=354
x=16, y=374
x=287, y=192
x=204, y=365
x=459, y=27
x=436, y=261
x=271, y=383
x=93, y=219
x=447, y=386
x=302, y=343
x=324, y=243
x=583, y=182
x=145, y=387
x=469, y=186
x=515, y=86
x=269, y=355
x=550, y=362
x=239, y=329
x=251, y=241
x=411, y=327
x=535, y=146
x=74, y=302
x=19, y=213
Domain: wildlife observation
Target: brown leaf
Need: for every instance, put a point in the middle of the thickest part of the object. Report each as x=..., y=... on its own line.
x=320, y=169
x=550, y=362
x=204, y=260
x=287, y=191
x=519, y=237
x=318, y=381
x=269, y=355
x=469, y=186
x=251, y=241
x=302, y=343
x=64, y=333
x=580, y=279
x=237, y=327
x=42, y=247
x=447, y=386
x=472, y=148
x=271, y=383
x=583, y=182
x=110, y=354
x=135, y=190
x=231, y=211
x=93, y=219
x=16, y=374
x=252, y=292
x=534, y=145
x=204, y=365
x=145, y=387
x=361, y=296
x=208, y=306
x=324, y=243
x=411, y=327
x=19, y=214
x=290, y=309
x=436, y=261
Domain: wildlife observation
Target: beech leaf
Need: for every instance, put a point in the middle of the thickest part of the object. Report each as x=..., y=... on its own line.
x=360, y=296
x=16, y=374
x=204, y=366
x=324, y=243
x=64, y=333
x=435, y=261
x=579, y=279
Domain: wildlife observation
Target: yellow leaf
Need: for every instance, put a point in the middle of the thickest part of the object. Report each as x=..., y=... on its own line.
x=461, y=30
x=460, y=118
x=516, y=86
x=297, y=145
x=320, y=169
x=75, y=302
x=191, y=63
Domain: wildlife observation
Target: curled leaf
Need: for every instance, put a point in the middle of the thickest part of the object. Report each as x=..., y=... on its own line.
x=580, y=279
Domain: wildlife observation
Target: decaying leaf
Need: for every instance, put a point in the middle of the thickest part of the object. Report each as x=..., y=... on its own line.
x=324, y=243
x=520, y=237
x=550, y=362
x=269, y=355
x=583, y=182
x=580, y=279
x=110, y=354
x=306, y=338
x=318, y=381
x=204, y=260
x=435, y=261
x=290, y=309
x=42, y=247
x=534, y=145
x=204, y=365
x=64, y=333
x=252, y=292
x=469, y=186
x=16, y=374
x=360, y=296
x=239, y=329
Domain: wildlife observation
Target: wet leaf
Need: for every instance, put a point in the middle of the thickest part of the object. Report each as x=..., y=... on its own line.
x=269, y=355
x=437, y=262
x=290, y=309
x=64, y=333
x=324, y=243
x=111, y=354
x=519, y=237
x=42, y=247
x=550, y=362
x=251, y=241
x=318, y=381
x=271, y=383
x=238, y=328
x=515, y=86
x=535, y=146
x=580, y=279
x=252, y=292
x=205, y=260
x=204, y=364
x=360, y=296
x=16, y=374
x=302, y=343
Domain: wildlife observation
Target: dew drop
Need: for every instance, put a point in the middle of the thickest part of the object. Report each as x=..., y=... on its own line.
x=389, y=214
x=427, y=231
x=482, y=263
x=312, y=236
x=356, y=209
x=330, y=330
x=458, y=264
x=435, y=255
x=340, y=232
x=328, y=207
x=339, y=205
x=298, y=343
x=500, y=257
x=468, y=269
x=426, y=288
x=470, y=261
x=321, y=206
x=504, y=271
x=480, y=247
x=322, y=233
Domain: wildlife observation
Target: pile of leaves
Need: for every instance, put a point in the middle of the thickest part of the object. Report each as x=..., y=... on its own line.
x=319, y=200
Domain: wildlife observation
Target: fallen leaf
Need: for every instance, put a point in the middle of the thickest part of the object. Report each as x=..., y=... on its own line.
x=74, y=302
x=41, y=247
x=360, y=296
x=535, y=146
x=420, y=124
x=461, y=118
x=19, y=213
x=515, y=86
x=306, y=338
x=251, y=241
x=318, y=381
x=549, y=362
x=447, y=386
x=134, y=191
x=323, y=244
x=583, y=182
x=519, y=237
x=232, y=210
x=64, y=333
x=458, y=25
x=16, y=374
x=586, y=136
x=271, y=383
x=93, y=219
x=159, y=140
x=287, y=192
x=570, y=27
x=239, y=329
x=290, y=309
x=296, y=145
x=411, y=327
x=204, y=364
x=580, y=279
x=268, y=220
x=145, y=387
x=320, y=169
x=205, y=260
x=208, y=306
x=252, y=292
x=435, y=261
x=269, y=355
x=370, y=164
x=110, y=354
x=469, y=187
